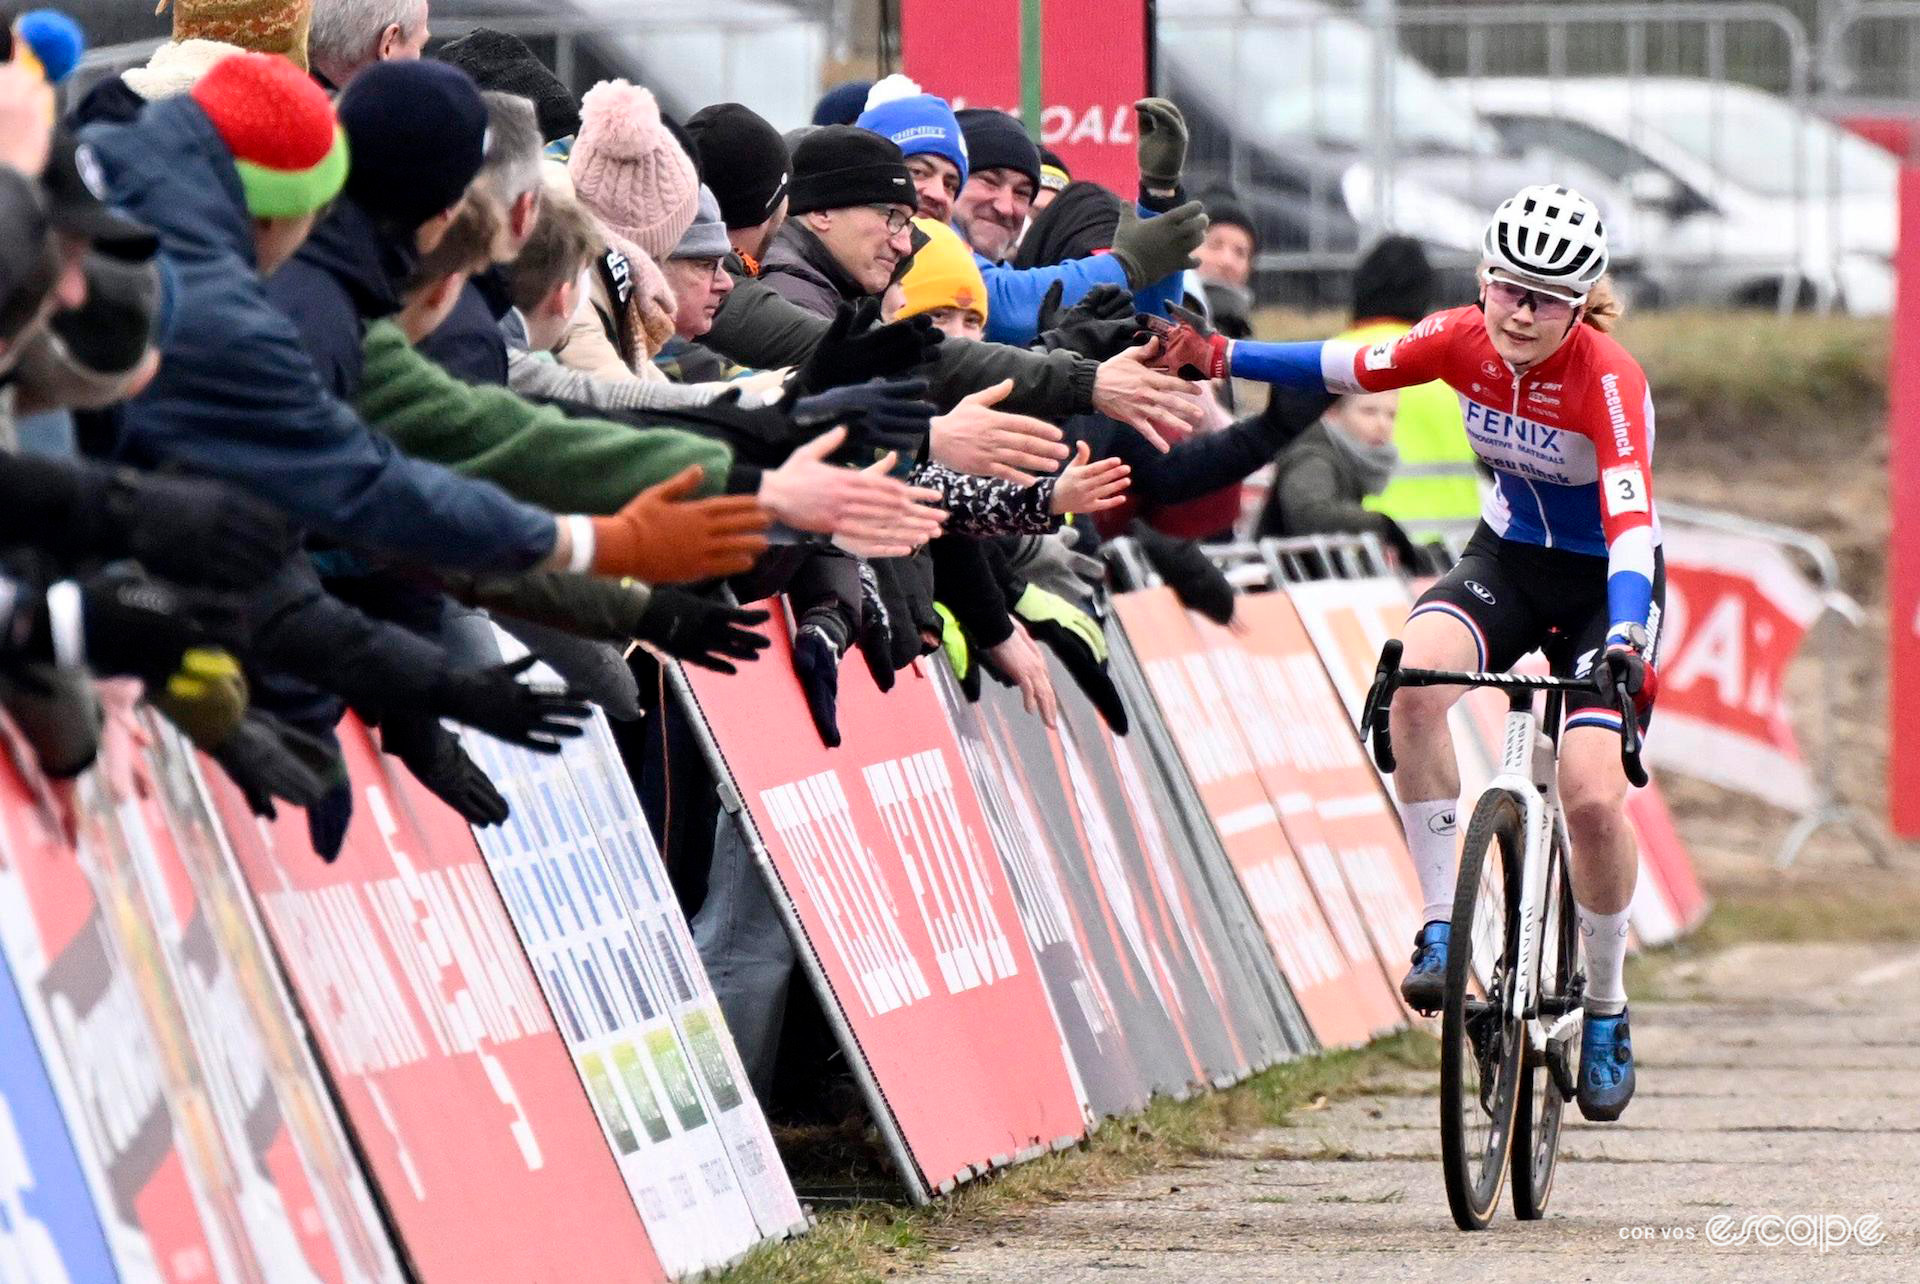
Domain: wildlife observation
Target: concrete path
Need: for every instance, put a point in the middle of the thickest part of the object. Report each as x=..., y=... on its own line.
x=1774, y=1080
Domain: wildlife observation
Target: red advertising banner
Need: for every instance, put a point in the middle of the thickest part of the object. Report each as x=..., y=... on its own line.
x=197, y=1114
x=1093, y=69
x=1311, y=922
x=1737, y=611
x=1903, y=541
x=142, y=1125
x=1309, y=751
x=886, y=858
x=439, y=1042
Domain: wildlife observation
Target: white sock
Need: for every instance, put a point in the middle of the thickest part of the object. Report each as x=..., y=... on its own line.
x=1433, y=838
x=1603, y=938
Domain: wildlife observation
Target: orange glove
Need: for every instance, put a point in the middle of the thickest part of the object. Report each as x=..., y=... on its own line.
x=662, y=537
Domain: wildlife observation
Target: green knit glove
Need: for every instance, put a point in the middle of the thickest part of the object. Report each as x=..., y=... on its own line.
x=1154, y=249
x=1037, y=606
x=1163, y=142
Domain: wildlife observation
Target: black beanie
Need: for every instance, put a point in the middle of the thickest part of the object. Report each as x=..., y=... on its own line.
x=1394, y=280
x=996, y=140
x=121, y=319
x=842, y=104
x=1080, y=222
x=502, y=62
x=1225, y=207
x=418, y=133
x=744, y=160
x=840, y=165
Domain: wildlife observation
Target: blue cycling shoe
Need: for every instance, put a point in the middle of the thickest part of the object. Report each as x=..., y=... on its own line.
x=1606, y=1067
x=1425, y=987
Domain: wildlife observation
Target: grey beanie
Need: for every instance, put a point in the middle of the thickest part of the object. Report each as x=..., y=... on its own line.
x=707, y=238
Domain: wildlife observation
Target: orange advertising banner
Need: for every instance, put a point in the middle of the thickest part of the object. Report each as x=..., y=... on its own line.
x=1311, y=921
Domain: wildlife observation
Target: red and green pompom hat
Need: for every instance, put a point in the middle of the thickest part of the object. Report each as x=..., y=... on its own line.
x=290, y=151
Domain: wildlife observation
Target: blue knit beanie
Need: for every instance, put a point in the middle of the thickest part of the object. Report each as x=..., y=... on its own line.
x=919, y=124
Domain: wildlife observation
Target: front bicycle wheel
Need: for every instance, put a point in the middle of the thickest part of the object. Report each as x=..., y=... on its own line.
x=1547, y=1078
x=1481, y=1047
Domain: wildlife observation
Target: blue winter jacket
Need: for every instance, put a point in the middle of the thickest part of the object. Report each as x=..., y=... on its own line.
x=238, y=398
x=1014, y=294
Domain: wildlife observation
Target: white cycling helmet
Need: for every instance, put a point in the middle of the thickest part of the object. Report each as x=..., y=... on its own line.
x=1551, y=235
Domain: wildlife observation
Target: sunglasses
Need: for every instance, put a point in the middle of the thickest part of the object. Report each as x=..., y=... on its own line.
x=1514, y=297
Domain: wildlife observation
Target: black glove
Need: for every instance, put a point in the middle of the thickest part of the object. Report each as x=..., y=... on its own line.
x=817, y=647
x=196, y=531
x=845, y=355
x=1101, y=326
x=434, y=756
x=327, y=821
x=1088, y=671
x=496, y=701
x=269, y=759
x=880, y=415
x=135, y=626
x=1104, y=302
x=876, y=629
x=702, y=631
x=1190, y=573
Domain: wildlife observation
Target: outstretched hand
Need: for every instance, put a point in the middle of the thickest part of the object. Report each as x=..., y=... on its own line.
x=666, y=537
x=864, y=507
x=1130, y=389
x=975, y=438
x=1091, y=487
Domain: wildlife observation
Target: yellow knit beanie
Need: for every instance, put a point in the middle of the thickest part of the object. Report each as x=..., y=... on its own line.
x=263, y=26
x=943, y=274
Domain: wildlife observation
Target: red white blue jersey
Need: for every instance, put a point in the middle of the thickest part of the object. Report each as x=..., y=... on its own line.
x=1570, y=441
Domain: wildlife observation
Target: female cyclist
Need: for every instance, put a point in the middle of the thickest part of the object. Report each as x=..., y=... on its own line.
x=1566, y=559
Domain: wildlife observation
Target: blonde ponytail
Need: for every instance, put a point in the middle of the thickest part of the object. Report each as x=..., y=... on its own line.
x=1603, y=308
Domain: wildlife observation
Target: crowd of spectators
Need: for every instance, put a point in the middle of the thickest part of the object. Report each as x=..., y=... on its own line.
x=326, y=351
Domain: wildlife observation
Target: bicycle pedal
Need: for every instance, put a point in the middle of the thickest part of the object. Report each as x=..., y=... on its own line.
x=1560, y=1066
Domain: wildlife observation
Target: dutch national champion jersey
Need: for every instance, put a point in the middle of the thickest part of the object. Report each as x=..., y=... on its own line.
x=1570, y=442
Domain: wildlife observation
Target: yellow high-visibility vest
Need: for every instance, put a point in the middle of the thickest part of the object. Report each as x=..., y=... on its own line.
x=1436, y=482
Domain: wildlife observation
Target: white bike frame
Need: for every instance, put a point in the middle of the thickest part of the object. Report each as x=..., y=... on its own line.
x=1529, y=771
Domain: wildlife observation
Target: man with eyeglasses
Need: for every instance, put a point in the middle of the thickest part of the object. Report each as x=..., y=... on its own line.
x=850, y=220
x=696, y=269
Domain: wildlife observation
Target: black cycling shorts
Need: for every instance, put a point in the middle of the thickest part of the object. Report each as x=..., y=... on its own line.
x=1517, y=598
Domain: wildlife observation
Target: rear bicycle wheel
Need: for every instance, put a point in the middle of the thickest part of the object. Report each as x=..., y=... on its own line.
x=1481, y=1048
x=1543, y=1083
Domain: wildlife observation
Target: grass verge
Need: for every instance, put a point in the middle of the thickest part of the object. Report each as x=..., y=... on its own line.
x=1871, y=907
x=875, y=1240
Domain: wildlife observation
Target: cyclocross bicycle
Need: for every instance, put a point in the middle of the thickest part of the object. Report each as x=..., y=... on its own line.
x=1510, y=1023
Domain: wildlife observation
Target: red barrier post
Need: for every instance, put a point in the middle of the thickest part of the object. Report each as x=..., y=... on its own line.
x=1903, y=552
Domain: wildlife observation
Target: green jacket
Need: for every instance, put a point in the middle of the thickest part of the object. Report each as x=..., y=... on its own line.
x=540, y=454
x=604, y=610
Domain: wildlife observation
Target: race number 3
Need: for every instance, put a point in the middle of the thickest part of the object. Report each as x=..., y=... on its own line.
x=1625, y=489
